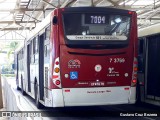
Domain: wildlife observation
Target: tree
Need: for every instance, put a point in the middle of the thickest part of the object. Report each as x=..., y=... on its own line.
x=13, y=46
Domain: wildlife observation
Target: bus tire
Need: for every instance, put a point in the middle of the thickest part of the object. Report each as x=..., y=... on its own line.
x=38, y=104
x=22, y=87
x=138, y=95
x=18, y=88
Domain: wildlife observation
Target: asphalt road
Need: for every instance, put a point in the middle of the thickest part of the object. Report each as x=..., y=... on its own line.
x=109, y=112
x=112, y=112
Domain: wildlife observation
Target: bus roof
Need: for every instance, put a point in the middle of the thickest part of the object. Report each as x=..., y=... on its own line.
x=39, y=26
x=150, y=30
x=35, y=31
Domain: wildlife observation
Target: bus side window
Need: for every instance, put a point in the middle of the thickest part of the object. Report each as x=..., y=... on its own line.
x=45, y=51
x=47, y=33
x=32, y=52
x=36, y=44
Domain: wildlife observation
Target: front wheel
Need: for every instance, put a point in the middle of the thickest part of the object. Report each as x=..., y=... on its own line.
x=138, y=94
x=18, y=88
x=38, y=104
x=22, y=89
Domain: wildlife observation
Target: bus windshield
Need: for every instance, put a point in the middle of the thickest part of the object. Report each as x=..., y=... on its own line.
x=96, y=26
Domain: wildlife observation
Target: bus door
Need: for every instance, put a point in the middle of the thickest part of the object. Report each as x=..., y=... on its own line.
x=153, y=68
x=17, y=71
x=46, y=66
x=28, y=66
x=141, y=68
x=46, y=60
x=41, y=66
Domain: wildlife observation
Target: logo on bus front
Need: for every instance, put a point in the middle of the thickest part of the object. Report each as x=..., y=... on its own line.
x=74, y=63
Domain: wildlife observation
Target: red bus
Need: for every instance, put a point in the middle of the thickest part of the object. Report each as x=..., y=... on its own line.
x=82, y=56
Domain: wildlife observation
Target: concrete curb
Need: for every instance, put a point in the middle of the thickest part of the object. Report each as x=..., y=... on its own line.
x=1, y=96
x=14, y=102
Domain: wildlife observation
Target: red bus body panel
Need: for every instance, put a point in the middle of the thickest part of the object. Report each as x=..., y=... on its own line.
x=87, y=74
x=119, y=60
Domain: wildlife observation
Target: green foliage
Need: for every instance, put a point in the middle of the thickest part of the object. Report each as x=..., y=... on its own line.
x=12, y=46
x=8, y=75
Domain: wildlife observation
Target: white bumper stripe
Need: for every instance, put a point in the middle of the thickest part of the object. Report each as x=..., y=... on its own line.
x=93, y=96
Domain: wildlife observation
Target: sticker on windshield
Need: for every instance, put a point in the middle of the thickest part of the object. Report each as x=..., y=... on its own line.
x=95, y=37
